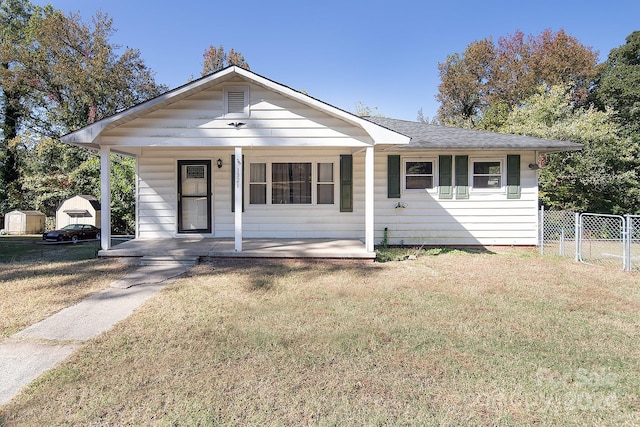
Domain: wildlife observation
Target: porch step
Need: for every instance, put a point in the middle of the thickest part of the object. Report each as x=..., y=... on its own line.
x=169, y=260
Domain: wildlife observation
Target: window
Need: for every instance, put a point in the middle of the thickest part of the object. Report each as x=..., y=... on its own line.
x=419, y=174
x=236, y=101
x=258, y=183
x=487, y=174
x=290, y=183
x=325, y=184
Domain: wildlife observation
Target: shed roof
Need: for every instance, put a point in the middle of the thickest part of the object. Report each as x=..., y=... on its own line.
x=28, y=213
x=425, y=136
x=93, y=201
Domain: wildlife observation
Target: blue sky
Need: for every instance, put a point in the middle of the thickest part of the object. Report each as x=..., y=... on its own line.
x=382, y=54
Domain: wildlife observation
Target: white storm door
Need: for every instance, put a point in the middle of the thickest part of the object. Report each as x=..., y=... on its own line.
x=194, y=196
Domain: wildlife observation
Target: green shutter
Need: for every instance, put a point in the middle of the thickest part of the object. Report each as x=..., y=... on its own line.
x=445, y=177
x=513, y=176
x=462, y=177
x=346, y=183
x=393, y=177
x=233, y=183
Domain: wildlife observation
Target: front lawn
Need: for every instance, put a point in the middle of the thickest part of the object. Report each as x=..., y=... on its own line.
x=452, y=338
x=39, y=279
x=34, y=249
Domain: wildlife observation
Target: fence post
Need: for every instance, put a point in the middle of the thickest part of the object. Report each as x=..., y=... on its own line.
x=578, y=232
x=541, y=230
x=627, y=243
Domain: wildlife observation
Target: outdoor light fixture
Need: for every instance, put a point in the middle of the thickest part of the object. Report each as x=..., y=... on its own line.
x=534, y=167
x=219, y=163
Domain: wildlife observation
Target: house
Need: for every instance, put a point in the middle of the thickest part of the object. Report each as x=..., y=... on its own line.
x=237, y=155
x=80, y=209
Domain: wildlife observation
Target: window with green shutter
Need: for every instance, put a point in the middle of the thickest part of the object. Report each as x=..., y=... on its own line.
x=393, y=177
x=513, y=176
x=462, y=177
x=346, y=183
x=445, y=177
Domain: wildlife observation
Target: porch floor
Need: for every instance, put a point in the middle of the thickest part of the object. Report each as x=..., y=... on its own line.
x=251, y=248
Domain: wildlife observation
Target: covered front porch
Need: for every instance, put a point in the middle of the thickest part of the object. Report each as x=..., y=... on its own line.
x=252, y=248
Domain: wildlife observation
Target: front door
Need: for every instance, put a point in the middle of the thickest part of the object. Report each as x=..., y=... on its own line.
x=194, y=196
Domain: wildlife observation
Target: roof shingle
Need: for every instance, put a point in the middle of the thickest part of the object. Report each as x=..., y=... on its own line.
x=425, y=136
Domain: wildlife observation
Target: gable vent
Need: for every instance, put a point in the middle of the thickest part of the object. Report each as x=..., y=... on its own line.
x=235, y=102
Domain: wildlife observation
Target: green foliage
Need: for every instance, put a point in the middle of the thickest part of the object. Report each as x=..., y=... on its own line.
x=58, y=74
x=603, y=177
x=123, y=187
x=509, y=71
x=618, y=85
x=14, y=16
x=77, y=75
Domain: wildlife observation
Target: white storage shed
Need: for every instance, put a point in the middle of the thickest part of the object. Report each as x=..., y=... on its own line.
x=81, y=209
x=24, y=222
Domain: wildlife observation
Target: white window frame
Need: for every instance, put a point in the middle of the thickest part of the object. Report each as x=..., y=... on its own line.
x=434, y=170
x=319, y=183
x=503, y=174
x=264, y=183
x=314, y=181
x=246, y=112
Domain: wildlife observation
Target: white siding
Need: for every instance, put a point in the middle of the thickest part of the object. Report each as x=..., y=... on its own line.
x=200, y=121
x=483, y=219
x=157, y=204
x=284, y=129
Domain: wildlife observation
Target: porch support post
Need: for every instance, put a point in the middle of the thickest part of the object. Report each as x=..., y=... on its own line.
x=105, y=191
x=368, y=199
x=238, y=198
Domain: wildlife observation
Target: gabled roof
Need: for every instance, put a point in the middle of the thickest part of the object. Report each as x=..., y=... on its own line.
x=93, y=201
x=88, y=135
x=425, y=136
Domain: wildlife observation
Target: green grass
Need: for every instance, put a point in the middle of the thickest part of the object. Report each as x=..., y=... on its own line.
x=449, y=338
x=33, y=248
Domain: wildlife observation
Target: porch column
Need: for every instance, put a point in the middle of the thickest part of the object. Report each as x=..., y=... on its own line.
x=238, y=200
x=368, y=199
x=105, y=191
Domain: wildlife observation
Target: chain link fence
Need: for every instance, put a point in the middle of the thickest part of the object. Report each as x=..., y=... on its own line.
x=558, y=233
x=608, y=240
x=633, y=222
x=602, y=240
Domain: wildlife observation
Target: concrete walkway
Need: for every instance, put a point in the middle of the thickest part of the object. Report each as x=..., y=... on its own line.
x=36, y=349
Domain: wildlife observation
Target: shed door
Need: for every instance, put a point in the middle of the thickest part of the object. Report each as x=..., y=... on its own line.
x=194, y=196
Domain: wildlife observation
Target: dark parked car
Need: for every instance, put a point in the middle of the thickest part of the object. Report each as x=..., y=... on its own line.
x=72, y=233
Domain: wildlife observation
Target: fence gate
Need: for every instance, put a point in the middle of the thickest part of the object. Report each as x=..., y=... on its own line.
x=558, y=233
x=633, y=242
x=602, y=240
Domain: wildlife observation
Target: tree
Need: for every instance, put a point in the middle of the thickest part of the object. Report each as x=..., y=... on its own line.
x=601, y=178
x=618, y=85
x=14, y=17
x=509, y=71
x=364, y=110
x=216, y=59
x=70, y=75
x=77, y=75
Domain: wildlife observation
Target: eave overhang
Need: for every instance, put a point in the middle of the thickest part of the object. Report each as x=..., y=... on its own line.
x=89, y=136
